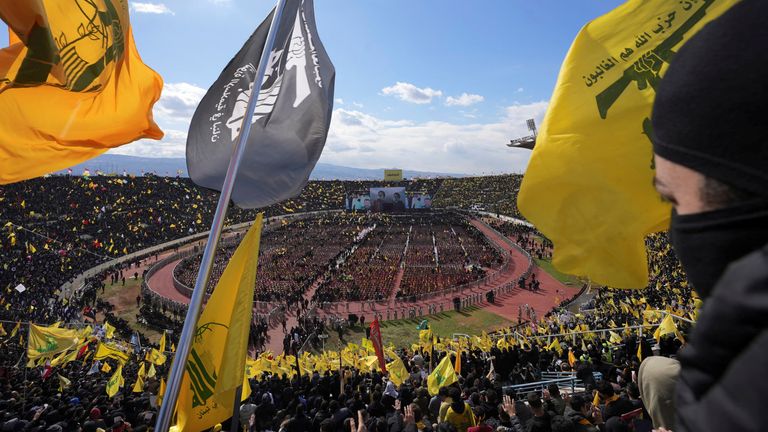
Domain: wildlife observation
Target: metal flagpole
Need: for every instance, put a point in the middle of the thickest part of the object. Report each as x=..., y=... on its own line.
x=196, y=300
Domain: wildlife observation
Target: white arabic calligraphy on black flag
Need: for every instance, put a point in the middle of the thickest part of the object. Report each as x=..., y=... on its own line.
x=291, y=121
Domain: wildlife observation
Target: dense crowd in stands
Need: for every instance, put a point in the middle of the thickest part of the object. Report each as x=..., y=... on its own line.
x=528, y=237
x=494, y=194
x=49, y=242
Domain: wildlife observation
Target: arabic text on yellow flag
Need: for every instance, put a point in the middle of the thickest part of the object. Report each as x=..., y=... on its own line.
x=72, y=85
x=48, y=341
x=588, y=186
x=110, y=350
x=216, y=364
x=115, y=382
x=442, y=376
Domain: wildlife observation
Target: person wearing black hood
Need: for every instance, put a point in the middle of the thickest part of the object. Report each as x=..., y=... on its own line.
x=710, y=139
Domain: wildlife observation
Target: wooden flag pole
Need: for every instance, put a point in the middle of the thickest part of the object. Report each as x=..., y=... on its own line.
x=196, y=299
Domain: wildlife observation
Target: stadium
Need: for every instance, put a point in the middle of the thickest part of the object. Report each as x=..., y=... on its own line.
x=127, y=251
x=450, y=234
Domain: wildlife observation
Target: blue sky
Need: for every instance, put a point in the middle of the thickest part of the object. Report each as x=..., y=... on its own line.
x=436, y=85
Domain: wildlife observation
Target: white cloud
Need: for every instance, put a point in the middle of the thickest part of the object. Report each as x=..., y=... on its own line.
x=151, y=8
x=173, y=144
x=361, y=140
x=465, y=99
x=357, y=104
x=410, y=93
x=340, y=101
x=178, y=102
x=520, y=90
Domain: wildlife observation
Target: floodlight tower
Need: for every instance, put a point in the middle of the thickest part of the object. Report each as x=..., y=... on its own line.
x=527, y=142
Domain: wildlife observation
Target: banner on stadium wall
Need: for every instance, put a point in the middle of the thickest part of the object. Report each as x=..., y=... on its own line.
x=390, y=198
x=421, y=201
x=361, y=202
x=393, y=175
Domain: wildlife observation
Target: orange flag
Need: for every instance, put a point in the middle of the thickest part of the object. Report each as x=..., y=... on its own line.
x=72, y=85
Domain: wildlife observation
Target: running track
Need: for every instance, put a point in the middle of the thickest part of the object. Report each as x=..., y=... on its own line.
x=505, y=305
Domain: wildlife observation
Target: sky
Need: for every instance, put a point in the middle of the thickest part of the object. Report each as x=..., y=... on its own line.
x=431, y=85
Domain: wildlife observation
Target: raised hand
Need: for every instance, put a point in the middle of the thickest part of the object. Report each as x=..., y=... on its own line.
x=408, y=417
x=509, y=405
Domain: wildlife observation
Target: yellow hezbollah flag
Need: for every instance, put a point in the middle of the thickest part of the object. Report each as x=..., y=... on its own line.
x=109, y=330
x=106, y=367
x=15, y=329
x=64, y=383
x=589, y=184
x=396, y=369
x=47, y=341
x=138, y=387
x=666, y=327
x=162, y=343
x=155, y=357
x=109, y=350
x=442, y=376
x=115, y=382
x=72, y=85
x=216, y=364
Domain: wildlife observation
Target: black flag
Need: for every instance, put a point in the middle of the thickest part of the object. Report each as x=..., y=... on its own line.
x=291, y=121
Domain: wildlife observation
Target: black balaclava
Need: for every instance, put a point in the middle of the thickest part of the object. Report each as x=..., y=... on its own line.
x=711, y=115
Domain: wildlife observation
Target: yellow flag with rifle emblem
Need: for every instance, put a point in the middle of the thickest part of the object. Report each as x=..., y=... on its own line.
x=216, y=364
x=72, y=85
x=589, y=184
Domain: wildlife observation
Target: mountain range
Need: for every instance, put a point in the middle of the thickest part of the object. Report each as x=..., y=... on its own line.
x=133, y=165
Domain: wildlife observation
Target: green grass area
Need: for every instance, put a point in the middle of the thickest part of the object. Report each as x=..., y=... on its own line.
x=403, y=333
x=124, y=300
x=567, y=279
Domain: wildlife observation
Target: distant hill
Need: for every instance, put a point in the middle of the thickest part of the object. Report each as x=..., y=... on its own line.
x=132, y=165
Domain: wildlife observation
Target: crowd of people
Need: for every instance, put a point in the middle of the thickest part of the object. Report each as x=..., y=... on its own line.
x=322, y=400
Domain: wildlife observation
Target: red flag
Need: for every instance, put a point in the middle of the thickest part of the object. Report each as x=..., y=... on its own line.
x=377, y=345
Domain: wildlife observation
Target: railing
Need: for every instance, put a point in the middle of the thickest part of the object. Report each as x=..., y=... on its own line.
x=598, y=376
x=540, y=386
x=562, y=379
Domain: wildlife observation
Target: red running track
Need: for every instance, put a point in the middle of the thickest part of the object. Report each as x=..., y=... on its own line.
x=506, y=305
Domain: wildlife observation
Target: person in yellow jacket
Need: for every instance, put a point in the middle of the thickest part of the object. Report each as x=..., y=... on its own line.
x=459, y=414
